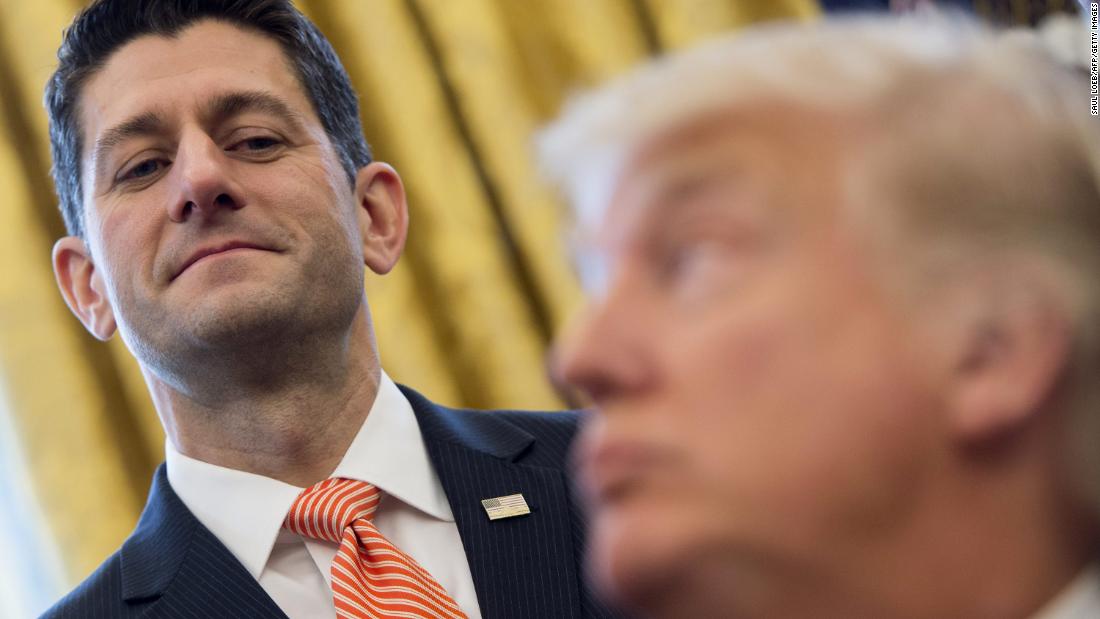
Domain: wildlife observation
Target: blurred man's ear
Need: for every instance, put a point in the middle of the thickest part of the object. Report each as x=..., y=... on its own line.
x=383, y=215
x=83, y=287
x=1012, y=358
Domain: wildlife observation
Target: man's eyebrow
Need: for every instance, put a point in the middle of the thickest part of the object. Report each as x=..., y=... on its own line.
x=218, y=110
x=679, y=187
x=227, y=105
x=146, y=123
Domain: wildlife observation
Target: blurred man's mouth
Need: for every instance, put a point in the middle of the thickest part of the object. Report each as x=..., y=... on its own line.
x=611, y=469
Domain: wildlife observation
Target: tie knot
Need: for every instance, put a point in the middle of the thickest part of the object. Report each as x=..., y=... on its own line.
x=326, y=508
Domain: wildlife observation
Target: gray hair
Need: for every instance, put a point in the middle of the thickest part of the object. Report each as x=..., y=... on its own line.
x=999, y=155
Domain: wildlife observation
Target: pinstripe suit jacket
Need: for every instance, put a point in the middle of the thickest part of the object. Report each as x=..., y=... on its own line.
x=525, y=567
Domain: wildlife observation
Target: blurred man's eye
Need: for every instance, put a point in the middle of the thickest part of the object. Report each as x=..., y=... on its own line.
x=694, y=271
x=689, y=259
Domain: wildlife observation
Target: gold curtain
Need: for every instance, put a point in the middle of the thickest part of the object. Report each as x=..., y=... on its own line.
x=451, y=92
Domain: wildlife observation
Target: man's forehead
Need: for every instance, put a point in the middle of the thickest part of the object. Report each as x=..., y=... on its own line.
x=770, y=150
x=664, y=168
x=156, y=73
x=767, y=128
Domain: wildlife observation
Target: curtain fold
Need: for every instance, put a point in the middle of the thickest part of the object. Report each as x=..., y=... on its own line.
x=451, y=92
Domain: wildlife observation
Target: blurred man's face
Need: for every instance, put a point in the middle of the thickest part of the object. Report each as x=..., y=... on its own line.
x=759, y=393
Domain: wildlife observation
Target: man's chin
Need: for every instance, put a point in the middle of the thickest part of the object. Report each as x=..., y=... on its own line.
x=251, y=325
x=632, y=556
x=221, y=320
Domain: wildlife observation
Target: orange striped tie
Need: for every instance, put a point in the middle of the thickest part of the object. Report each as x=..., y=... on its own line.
x=370, y=576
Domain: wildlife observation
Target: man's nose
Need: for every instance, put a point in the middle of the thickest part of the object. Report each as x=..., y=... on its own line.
x=604, y=351
x=206, y=184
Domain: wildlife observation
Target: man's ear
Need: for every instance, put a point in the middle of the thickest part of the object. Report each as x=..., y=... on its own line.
x=83, y=287
x=1012, y=358
x=383, y=215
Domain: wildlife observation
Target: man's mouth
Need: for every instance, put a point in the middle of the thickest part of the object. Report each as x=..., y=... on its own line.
x=217, y=249
x=610, y=468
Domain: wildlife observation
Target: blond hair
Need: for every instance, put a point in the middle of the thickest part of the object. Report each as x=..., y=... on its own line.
x=982, y=140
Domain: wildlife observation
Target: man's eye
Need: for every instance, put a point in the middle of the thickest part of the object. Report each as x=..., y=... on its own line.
x=143, y=169
x=695, y=260
x=256, y=144
x=674, y=261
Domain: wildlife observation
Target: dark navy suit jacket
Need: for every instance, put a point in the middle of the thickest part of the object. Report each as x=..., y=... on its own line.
x=523, y=567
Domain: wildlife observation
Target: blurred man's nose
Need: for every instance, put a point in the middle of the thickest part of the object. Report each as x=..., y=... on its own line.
x=205, y=182
x=604, y=352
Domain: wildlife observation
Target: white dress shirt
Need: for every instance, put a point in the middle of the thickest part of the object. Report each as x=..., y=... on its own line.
x=1079, y=600
x=246, y=511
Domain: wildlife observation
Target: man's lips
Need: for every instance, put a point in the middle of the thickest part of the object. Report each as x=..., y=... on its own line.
x=219, y=248
x=610, y=468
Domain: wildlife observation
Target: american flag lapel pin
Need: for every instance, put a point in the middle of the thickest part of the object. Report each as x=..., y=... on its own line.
x=506, y=506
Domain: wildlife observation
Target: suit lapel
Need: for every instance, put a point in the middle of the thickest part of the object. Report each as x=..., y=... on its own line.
x=522, y=566
x=174, y=566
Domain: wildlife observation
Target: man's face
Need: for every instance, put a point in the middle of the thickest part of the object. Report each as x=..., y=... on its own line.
x=759, y=394
x=216, y=208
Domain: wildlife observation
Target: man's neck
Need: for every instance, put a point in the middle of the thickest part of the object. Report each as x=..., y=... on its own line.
x=985, y=549
x=998, y=585
x=294, y=425
x=978, y=549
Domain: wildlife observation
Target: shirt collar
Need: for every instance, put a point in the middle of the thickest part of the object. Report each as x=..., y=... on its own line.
x=389, y=452
x=245, y=511
x=1078, y=600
